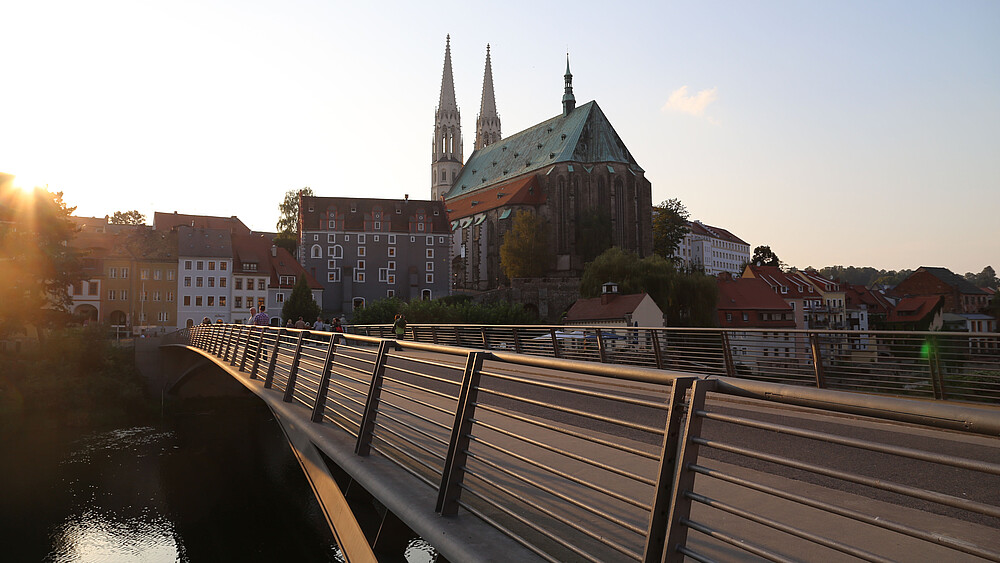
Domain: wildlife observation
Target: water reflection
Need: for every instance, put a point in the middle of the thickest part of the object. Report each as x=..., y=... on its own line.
x=213, y=483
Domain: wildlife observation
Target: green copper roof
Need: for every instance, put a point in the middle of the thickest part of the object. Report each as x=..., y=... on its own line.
x=584, y=136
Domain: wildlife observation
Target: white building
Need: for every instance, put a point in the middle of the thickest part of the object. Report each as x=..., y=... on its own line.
x=205, y=260
x=713, y=249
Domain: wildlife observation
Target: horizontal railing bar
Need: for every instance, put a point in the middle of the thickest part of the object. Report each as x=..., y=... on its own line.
x=877, y=521
x=510, y=494
x=577, y=391
x=415, y=387
x=907, y=490
x=741, y=544
x=567, y=410
x=573, y=433
x=562, y=496
x=513, y=535
x=570, y=455
x=387, y=430
x=791, y=530
x=694, y=555
x=400, y=408
x=963, y=463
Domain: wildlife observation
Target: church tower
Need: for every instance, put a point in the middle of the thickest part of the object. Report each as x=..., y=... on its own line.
x=488, y=122
x=446, y=153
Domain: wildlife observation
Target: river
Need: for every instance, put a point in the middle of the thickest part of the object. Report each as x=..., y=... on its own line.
x=209, y=482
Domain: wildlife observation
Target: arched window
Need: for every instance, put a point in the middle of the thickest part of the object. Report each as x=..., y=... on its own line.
x=425, y=295
x=316, y=251
x=359, y=303
x=338, y=251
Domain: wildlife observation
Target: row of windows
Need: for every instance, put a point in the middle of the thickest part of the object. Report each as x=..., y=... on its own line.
x=359, y=277
x=209, y=301
x=261, y=283
x=122, y=295
x=362, y=238
x=200, y=265
x=92, y=288
x=200, y=281
x=238, y=301
x=114, y=273
x=157, y=274
x=337, y=251
x=162, y=316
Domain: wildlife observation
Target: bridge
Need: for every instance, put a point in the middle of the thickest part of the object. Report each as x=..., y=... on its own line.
x=492, y=454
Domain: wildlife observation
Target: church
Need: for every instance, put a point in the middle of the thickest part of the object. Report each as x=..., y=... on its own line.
x=572, y=170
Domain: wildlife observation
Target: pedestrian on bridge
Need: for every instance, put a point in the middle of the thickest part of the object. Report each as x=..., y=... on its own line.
x=399, y=327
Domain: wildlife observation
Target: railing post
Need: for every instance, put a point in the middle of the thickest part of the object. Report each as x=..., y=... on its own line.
x=657, y=352
x=934, y=363
x=656, y=535
x=600, y=347
x=324, y=381
x=246, y=348
x=227, y=337
x=454, y=463
x=458, y=336
x=269, y=378
x=238, y=329
x=683, y=479
x=486, y=341
x=517, y=341
x=817, y=355
x=257, y=353
x=555, y=344
x=294, y=370
x=727, y=352
x=367, y=427
x=434, y=334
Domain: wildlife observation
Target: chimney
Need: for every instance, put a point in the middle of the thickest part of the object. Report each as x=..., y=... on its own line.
x=406, y=197
x=274, y=250
x=608, y=292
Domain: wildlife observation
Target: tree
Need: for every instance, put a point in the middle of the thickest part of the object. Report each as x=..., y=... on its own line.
x=670, y=224
x=525, y=252
x=288, y=220
x=300, y=303
x=986, y=278
x=686, y=298
x=37, y=267
x=127, y=218
x=764, y=256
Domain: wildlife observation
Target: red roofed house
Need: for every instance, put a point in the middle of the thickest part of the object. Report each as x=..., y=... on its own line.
x=917, y=313
x=263, y=272
x=750, y=303
x=613, y=309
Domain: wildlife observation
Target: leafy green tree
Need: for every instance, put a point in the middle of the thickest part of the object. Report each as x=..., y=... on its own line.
x=288, y=220
x=37, y=267
x=594, y=233
x=764, y=256
x=986, y=278
x=525, y=252
x=300, y=303
x=670, y=224
x=127, y=218
x=686, y=298
x=288, y=241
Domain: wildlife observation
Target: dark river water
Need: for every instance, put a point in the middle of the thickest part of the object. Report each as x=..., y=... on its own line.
x=208, y=483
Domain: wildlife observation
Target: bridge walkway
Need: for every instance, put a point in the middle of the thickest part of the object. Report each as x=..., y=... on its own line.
x=546, y=487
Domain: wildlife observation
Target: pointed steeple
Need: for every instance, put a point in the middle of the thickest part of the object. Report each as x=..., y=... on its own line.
x=488, y=122
x=447, y=99
x=569, y=101
x=446, y=151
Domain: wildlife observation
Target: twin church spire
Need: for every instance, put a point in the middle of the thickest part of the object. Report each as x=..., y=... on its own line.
x=446, y=155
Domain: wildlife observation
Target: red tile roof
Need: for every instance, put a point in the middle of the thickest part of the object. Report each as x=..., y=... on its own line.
x=257, y=249
x=168, y=221
x=699, y=228
x=748, y=294
x=593, y=310
x=520, y=191
x=797, y=288
x=912, y=309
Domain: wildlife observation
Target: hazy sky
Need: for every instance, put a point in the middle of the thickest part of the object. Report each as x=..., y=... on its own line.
x=847, y=132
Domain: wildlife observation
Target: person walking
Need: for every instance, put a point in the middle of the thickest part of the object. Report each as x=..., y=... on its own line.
x=262, y=319
x=399, y=327
x=338, y=331
x=319, y=325
x=300, y=324
x=253, y=313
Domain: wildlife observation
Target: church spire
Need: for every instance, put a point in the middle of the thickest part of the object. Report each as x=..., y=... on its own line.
x=569, y=101
x=446, y=152
x=488, y=122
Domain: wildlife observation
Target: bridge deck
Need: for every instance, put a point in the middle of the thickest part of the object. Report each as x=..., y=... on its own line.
x=557, y=471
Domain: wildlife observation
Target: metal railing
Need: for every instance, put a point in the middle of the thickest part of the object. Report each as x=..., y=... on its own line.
x=596, y=462
x=938, y=365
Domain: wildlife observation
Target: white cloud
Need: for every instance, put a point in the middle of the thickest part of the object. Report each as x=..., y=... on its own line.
x=680, y=101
